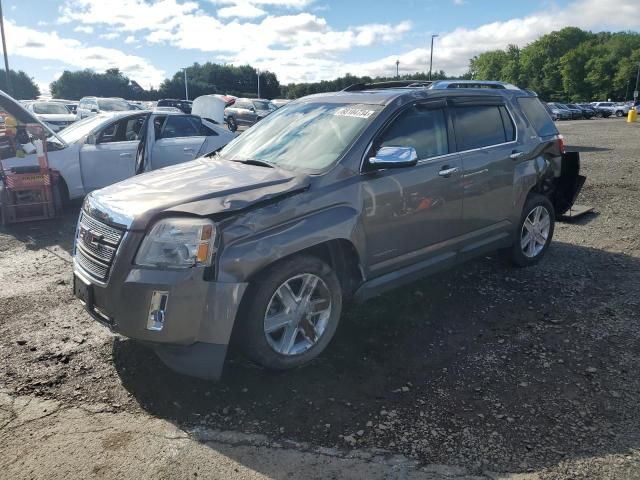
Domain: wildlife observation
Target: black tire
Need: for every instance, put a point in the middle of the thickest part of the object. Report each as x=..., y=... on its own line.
x=60, y=196
x=518, y=256
x=599, y=114
x=619, y=113
x=251, y=334
x=231, y=124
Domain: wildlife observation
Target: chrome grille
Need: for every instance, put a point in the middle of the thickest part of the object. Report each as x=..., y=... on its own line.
x=96, y=245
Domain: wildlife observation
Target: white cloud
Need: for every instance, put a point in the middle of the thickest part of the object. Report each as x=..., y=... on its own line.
x=84, y=29
x=241, y=10
x=130, y=39
x=109, y=35
x=303, y=46
x=30, y=43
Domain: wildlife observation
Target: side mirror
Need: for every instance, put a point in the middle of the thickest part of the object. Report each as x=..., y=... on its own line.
x=252, y=109
x=91, y=139
x=394, y=157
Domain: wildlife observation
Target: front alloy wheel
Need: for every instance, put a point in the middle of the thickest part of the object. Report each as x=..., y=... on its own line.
x=290, y=312
x=297, y=314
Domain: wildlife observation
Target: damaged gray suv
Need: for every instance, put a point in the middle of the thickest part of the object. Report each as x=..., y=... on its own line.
x=334, y=197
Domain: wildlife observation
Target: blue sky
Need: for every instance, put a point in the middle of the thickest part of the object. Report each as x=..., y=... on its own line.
x=299, y=40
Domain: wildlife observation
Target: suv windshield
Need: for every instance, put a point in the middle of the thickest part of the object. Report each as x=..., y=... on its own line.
x=112, y=104
x=50, y=108
x=304, y=136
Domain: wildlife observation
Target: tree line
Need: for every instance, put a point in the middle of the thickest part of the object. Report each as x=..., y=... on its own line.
x=567, y=65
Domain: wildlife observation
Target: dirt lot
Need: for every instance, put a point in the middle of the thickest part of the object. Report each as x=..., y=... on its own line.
x=486, y=367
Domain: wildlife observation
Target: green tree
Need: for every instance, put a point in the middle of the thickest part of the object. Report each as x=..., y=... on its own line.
x=22, y=85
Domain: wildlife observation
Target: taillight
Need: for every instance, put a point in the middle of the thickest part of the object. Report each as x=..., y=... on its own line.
x=561, y=144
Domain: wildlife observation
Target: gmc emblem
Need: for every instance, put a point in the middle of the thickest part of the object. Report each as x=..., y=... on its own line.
x=89, y=238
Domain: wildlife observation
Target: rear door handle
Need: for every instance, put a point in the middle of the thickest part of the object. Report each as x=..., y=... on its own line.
x=446, y=171
x=188, y=149
x=125, y=155
x=515, y=155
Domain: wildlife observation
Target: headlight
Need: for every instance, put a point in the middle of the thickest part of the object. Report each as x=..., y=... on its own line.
x=178, y=243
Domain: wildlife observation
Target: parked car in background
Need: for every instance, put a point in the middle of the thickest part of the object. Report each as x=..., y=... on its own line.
x=89, y=106
x=71, y=105
x=280, y=102
x=593, y=111
x=247, y=111
x=601, y=112
x=106, y=148
x=337, y=196
x=167, y=109
x=576, y=113
x=182, y=105
x=587, y=113
x=615, y=109
x=559, y=113
x=56, y=115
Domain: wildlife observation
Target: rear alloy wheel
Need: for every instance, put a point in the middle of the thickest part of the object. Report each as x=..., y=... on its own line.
x=619, y=113
x=535, y=231
x=291, y=312
x=231, y=124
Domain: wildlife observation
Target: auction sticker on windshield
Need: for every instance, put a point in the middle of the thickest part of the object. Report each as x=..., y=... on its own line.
x=353, y=112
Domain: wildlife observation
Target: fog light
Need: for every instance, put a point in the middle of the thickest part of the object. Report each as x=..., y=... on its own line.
x=157, y=309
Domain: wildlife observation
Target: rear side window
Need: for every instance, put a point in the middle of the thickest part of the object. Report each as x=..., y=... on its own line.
x=181, y=126
x=538, y=116
x=480, y=126
x=424, y=129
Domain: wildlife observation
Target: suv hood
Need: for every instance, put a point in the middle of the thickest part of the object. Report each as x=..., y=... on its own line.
x=201, y=187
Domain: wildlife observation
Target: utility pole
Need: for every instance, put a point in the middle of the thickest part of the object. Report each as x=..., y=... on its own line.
x=398, y=69
x=258, y=73
x=186, y=85
x=4, y=48
x=431, y=57
x=635, y=93
x=626, y=95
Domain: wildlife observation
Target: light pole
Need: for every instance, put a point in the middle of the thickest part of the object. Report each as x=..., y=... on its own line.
x=431, y=57
x=635, y=92
x=258, y=73
x=186, y=85
x=4, y=48
x=398, y=69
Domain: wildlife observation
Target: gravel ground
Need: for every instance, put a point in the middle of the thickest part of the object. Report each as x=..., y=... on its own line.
x=486, y=367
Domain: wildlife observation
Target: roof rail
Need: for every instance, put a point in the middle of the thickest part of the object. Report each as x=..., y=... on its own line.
x=357, y=87
x=444, y=84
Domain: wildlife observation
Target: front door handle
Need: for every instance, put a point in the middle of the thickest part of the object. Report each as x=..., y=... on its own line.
x=188, y=150
x=126, y=155
x=447, y=171
x=515, y=155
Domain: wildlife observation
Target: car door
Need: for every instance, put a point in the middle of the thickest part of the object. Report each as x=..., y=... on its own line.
x=411, y=213
x=111, y=158
x=179, y=139
x=486, y=137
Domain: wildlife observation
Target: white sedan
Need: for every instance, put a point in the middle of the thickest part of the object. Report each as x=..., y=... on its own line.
x=102, y=150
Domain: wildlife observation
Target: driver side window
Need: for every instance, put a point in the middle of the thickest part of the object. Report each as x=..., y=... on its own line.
x=125, y=130
x=422, y=128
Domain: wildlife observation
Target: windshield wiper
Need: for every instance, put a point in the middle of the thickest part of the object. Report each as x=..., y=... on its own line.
x=259, y=163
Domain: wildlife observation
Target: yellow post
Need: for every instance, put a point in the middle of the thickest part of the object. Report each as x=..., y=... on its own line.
x=632, y=115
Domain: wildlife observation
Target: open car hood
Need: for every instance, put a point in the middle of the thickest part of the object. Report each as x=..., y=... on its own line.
x=201, y=187
x=23, y=116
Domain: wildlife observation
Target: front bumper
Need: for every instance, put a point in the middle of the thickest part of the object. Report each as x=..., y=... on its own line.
x=198, y=315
